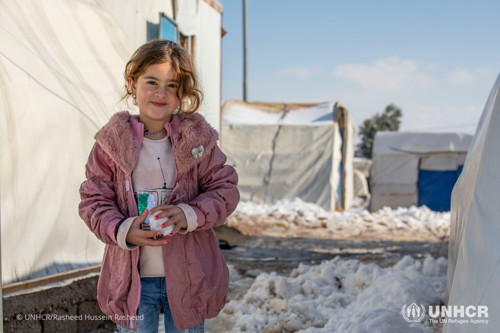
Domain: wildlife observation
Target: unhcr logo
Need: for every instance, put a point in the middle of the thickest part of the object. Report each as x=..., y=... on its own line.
x=413, y=313
x=458, y=314
x=452, y=314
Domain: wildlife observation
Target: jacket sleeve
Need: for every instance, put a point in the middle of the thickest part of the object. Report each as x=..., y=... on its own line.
x=98, y=207
x=219, y=195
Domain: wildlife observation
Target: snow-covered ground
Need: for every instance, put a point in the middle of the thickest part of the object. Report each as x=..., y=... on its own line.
x=335, y=296
x=296, y=218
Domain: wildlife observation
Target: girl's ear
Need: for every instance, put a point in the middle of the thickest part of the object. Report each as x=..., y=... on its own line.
x=131, y=84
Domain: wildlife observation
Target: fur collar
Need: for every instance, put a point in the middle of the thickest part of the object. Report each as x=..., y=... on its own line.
x=188, y=131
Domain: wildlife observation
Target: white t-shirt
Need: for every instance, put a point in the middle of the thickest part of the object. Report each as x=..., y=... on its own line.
x=154, y=173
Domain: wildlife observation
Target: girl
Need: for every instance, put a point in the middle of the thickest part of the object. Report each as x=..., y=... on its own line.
x=170, y=152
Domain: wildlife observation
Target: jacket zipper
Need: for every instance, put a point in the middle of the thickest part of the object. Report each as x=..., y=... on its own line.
x=136, y=261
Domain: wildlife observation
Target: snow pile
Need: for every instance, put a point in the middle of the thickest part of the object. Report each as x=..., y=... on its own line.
x=338, y=296
x=296, y=218
x=286, y=207
x=238, y=285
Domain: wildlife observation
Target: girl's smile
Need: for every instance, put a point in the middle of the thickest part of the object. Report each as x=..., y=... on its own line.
x=157, y=104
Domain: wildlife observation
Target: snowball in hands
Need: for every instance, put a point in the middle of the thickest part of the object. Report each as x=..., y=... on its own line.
x=156, y=224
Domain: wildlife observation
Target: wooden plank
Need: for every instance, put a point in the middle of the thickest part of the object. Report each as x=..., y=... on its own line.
x=7, y=288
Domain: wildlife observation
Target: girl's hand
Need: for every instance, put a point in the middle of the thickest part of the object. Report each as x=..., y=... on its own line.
x=137, y=236
x=175, y=216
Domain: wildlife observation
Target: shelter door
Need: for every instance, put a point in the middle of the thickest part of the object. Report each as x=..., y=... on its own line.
x=436, y=178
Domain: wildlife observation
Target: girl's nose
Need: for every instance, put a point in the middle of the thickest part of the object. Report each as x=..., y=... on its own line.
x=160, y=93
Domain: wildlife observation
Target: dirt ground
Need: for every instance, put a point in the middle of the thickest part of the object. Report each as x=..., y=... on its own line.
x=255, y=254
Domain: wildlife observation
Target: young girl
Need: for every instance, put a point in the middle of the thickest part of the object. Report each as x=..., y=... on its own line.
x=170, y=152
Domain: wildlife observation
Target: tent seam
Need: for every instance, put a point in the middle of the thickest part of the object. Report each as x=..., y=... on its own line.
x=267, y=179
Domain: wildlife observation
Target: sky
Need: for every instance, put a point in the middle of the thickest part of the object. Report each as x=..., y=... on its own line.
x=436, y=60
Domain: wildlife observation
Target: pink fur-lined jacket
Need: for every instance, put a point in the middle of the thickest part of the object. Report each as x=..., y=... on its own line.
x=195, y=271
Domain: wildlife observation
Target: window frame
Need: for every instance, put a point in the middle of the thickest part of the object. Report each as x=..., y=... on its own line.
x=187, y=42
x=162, y=15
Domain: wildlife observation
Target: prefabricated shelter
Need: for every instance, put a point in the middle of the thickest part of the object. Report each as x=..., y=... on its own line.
x=473, y=277
x=61, y=75
x=287, y=150
x=415, y=168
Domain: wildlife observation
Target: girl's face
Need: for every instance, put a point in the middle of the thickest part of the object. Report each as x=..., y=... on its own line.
x=155, y=92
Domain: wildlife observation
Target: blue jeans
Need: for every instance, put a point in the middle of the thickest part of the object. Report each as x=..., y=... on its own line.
x=153, y=297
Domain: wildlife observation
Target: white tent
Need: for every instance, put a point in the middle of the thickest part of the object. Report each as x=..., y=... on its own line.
x=291, y=150
x=416, y=168
x=474, y=252
x=61, y=74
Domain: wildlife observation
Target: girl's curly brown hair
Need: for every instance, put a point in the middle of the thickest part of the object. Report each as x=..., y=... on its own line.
x=158, y=51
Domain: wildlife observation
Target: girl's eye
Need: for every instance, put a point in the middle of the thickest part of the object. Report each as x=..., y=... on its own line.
x=152, y=82
x=172, y=86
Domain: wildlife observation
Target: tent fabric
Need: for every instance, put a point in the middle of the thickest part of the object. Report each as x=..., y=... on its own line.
x=393, y=196
x=241, y=114
x=360, y=183
x=349, y=132
x=436, y=179
x=474, y=254
x=284, y=150
x=442, y=162
x=388, y=143
x=61, y=67
x=335, y=183
x=238, y=112
x=61, y=75
x=362, y=164
x=132, y=15
x=416, y=168
x=398, y=169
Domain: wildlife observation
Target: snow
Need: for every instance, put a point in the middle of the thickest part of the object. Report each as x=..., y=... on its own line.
x=296, y=218
x=336, y=296
x=156, y=224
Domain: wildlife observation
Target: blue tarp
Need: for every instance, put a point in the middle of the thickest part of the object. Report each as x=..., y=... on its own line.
x=434, y=188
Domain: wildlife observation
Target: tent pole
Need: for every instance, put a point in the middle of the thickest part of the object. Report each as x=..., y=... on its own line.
x=245, y=65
